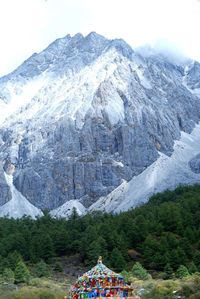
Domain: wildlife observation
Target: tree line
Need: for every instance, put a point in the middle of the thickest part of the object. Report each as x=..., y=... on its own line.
x=162, y=235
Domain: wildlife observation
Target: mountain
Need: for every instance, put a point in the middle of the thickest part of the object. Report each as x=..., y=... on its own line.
x=90, y=123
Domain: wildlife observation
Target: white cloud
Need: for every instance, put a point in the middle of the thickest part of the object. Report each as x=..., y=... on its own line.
x=27, y=26
x=147, y=21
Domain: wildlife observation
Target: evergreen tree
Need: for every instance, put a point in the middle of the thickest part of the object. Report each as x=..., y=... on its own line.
x=42, y=247
x=177, y=257
x=141, y=222
x=189, y=234
x=88, y=237
x=192, y=268
x=13, y=258
x=46, y=247
x=182, y=271
x=8, y=275
x=3, y=264
x=58, y=267
x=169, y=274
x=41, y=269
x=196, y=259
x=126, y=275
x=61, y=242
x=166, y=230
x=22, y=273
x=151, y=251
x=94, y=251
x=35, y=254
x=74, y=215
x=117, y=260
x=139, y=272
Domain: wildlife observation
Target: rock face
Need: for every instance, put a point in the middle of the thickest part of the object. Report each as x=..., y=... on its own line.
x=195, y=164
x=5, y=193
x=87, y=114
x=166, y=172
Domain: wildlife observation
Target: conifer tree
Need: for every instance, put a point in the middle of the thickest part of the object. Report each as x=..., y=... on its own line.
x=169, y=274
x=192, y=268
x=41, y=269
x=126, y=275
x=117, y=260
x=13, y=258
x=139, y=272
x=58, y=267
x=22, y=273
x=182, y=271
x=8, y=275
x=94, y=251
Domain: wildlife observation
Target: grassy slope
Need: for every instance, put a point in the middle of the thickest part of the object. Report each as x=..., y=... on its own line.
x=153, y=288
x=37, y=289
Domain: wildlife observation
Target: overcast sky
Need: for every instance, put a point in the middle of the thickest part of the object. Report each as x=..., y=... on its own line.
x=28, y=26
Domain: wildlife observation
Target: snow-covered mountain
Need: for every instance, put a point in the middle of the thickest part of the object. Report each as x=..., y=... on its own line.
x=90, y=123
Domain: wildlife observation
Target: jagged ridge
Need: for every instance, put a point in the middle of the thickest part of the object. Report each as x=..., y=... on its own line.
x=87, y=114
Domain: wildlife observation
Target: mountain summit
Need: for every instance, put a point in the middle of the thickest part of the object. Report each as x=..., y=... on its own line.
x=90, y=123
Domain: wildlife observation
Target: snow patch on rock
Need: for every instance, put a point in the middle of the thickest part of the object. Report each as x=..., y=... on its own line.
x=20, y=99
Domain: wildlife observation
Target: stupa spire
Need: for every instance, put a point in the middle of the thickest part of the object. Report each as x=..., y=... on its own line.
x=100, y=282
x=99, y=260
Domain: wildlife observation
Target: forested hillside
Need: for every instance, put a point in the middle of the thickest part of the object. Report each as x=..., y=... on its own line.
x=164, y=231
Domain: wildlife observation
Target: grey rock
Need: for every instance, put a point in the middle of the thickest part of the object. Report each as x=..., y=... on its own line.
x=193, y=75
x=131, y=108
x=195, y=164
x=5, y=193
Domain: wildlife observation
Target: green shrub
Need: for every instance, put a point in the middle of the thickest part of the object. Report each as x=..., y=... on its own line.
x=195, y=296
x=28, y=292
x=187, y=290
x=159, y=292
x=139, y=272
x=41, y=269
x=182, y=271
x=126, y=275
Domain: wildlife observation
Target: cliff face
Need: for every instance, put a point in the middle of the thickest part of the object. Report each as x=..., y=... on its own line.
x=86, y=115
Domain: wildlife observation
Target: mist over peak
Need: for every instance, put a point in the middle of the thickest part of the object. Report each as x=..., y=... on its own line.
x=168, y=50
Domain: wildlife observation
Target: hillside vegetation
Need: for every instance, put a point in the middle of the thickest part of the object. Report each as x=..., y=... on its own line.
x=166, y=231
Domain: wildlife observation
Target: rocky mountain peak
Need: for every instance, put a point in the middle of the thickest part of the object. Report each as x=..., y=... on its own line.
x=88, y=118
